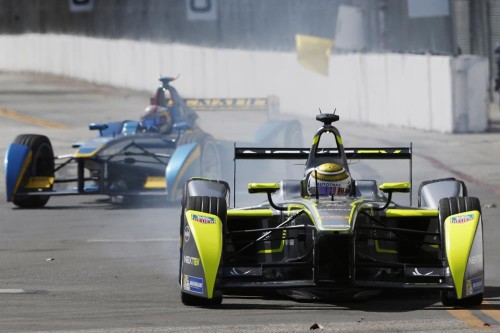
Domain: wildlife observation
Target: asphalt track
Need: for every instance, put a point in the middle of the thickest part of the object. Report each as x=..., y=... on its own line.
x=85, y=265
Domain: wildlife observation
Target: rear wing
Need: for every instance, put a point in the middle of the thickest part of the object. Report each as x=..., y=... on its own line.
x=269, y=104
x=393, y=153
x=386, y=153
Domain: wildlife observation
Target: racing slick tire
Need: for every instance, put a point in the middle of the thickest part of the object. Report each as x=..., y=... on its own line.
x=42, y=164
x=293, y=139
x=447, y=207
x=210, y=156
x=210, y=159
x=211, y=205
x=191, y=300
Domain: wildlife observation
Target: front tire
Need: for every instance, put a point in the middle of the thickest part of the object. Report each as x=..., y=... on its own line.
x=190, y=300
x=211, y=205
x=452, y=206
x=449, y=298
x=42, y=165
x=293, y=135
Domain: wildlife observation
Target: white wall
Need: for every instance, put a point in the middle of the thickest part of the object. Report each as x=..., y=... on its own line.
x=434, y=93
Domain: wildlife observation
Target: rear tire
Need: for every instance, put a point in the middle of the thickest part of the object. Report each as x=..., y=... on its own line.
x=447, y=207
x=210, y=165
x=210, y=159
x=42, y=164
x=293, y=139
x=293, y=135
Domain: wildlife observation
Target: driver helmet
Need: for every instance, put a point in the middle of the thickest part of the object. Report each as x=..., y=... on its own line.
x=329, y=179
x=156, y=117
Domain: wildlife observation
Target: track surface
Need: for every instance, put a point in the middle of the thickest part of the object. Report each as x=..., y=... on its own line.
x=85, y=265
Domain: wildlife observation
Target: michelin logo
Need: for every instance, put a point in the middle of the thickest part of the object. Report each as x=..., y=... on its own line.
x=193, y=284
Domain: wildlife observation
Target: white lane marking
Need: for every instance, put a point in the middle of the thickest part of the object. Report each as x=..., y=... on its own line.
x=144, y=240
x=12, y=291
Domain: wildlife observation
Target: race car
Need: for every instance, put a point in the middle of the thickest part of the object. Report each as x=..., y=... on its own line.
x=129, y=159
x=328, y=232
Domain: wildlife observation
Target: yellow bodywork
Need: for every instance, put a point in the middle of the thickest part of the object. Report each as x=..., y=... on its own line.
x=25, y=166
x=263, y=187
x=39, y=182
x=230, y=104
x=155, y=182
x=278, y=249
x=460, y=230
x=89, y=154
x=206, y=229
x=250, y=212
x=411, y=213
x=395, y=187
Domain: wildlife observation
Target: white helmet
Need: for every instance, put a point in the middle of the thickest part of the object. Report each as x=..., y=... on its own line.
x=329, y=179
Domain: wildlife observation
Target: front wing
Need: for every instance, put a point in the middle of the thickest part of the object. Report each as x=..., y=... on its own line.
x=264, y=249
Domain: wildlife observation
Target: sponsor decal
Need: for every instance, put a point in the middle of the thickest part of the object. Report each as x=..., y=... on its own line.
x=193, y=284
x=476, y=260
x=192, y=260
x=226, y=103
x=462, y=219
x=474, y=286
x=187, y=234
x=203, y=219
x=328, y=184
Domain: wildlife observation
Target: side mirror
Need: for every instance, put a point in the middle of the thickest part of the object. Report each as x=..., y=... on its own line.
x=403, y=187
x=98, y=126
x=390, y=188
x=263, y=187
x=268, y=188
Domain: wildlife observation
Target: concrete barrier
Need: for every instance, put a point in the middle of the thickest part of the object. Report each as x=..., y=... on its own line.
x=431, y=93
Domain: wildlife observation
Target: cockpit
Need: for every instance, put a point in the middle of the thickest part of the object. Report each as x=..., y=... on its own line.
x=327, y=171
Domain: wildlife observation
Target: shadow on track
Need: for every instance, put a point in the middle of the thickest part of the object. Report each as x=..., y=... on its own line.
x=109, y=204
x=386, y=301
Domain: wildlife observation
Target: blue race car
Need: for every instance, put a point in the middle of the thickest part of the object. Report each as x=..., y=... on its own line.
x=153, y=156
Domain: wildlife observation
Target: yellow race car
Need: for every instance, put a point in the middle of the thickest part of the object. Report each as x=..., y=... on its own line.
x=328, y=232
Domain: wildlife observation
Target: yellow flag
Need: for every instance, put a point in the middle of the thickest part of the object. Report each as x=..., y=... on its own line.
x=313, y=52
